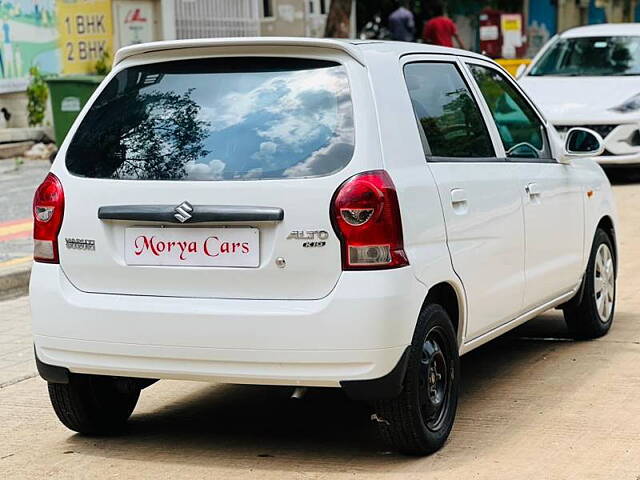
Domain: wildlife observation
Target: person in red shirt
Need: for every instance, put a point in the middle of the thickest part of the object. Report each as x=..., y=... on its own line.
x=440, y=30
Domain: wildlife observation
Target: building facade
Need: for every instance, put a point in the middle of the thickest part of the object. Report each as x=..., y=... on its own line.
x=235, y=18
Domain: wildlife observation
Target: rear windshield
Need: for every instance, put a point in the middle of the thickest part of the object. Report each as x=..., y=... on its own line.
x=218, y=119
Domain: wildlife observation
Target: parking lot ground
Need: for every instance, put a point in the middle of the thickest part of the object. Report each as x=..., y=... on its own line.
x=534, y=405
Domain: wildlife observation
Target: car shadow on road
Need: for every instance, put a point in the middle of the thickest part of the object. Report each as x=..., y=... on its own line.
x=240, y=427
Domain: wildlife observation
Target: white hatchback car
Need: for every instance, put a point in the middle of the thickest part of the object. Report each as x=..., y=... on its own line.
x=588, y=77
x=309, y=213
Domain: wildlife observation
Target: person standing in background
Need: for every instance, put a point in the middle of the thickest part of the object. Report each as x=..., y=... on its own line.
x=440, y=30
x=401, y=23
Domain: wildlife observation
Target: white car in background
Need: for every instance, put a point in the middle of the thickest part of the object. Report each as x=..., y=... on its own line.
x=590, y=77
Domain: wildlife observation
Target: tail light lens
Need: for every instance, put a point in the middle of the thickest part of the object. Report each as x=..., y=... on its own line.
x=48, y=209
x=366, y=217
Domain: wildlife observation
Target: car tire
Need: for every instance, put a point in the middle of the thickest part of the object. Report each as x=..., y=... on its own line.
x=591, y=315
x=419, y=420
x=92, y=404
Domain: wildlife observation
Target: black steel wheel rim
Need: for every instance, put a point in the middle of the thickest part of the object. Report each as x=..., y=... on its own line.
x=436, y=378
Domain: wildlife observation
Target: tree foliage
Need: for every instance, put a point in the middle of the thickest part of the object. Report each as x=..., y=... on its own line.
x=102, y=65
x=37, y=96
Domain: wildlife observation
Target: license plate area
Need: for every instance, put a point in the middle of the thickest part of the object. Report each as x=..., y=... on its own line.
x=193, y=246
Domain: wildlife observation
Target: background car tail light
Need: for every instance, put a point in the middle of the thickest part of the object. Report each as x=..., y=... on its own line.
x=48, y=209
x=366, y=217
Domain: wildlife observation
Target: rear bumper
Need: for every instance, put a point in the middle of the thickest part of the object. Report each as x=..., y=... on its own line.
x=353, y=334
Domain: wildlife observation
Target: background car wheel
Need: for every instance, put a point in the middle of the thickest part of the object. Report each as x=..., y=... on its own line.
x=592, y=316
x=419, y=420
x=93, y=404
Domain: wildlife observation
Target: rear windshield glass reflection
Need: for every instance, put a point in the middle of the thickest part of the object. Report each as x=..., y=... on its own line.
x=218, y=119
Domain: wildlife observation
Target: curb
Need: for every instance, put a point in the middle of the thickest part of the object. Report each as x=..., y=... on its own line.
x=14, y=281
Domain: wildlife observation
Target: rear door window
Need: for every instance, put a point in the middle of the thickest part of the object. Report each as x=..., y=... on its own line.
x=218, y=119
x=448, y=114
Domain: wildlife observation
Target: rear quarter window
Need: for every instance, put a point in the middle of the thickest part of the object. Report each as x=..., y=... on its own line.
x=218, y=119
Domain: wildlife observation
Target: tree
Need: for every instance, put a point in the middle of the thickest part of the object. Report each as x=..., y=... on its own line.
x=339, y=19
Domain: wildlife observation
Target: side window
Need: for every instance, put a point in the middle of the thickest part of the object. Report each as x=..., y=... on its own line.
x=448, y=114
x=520, y=129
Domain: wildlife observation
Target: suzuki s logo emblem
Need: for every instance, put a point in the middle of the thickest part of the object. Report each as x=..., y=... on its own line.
x=183, y=212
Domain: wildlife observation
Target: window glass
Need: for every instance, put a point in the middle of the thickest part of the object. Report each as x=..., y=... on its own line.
x=218, y=119
x=450, y=117
x=520, y=129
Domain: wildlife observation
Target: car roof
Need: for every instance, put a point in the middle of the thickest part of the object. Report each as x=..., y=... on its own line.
x=603, y=30
x=408, y=48
x=357, y=49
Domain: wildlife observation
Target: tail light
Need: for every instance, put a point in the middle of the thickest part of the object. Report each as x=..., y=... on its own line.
x=366, y=216
x=48, y=209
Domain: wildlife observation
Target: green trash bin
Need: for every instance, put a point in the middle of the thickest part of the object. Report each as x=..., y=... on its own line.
x=69, y=93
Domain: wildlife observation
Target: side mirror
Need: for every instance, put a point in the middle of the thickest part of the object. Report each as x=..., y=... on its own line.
x=582, y=142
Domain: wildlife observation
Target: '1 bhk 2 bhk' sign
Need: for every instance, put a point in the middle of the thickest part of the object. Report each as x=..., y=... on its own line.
x=86, y=33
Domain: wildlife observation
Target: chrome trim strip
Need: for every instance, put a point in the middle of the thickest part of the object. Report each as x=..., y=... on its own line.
x=200, y=213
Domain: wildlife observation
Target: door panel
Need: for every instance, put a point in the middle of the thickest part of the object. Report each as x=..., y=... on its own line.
x=554, y=230
x=552, y=195
x=486, y=238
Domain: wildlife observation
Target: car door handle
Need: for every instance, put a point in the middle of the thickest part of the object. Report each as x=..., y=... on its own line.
x=459, y=201
x=533, y=190
x=458, y=195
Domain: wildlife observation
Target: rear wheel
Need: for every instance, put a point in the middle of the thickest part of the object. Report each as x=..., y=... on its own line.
x=93, y=404
x=419, y=420
x=592, y=315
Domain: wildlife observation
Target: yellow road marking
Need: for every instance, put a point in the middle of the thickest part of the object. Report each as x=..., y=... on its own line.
x=17, y=228
x=15, y=261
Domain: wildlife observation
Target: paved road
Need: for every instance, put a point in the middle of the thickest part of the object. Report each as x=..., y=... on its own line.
x=17, y=185
x=535, y=405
